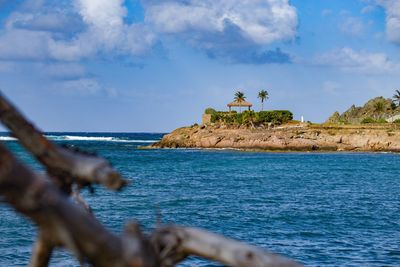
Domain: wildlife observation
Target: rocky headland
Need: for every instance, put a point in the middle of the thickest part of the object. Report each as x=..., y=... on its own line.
x=373, y=127
x=288, y=137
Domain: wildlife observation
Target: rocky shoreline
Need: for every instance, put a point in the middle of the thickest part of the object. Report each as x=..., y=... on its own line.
x=290, y=137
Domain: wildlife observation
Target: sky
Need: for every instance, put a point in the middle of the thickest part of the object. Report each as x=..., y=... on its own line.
x=153, y=66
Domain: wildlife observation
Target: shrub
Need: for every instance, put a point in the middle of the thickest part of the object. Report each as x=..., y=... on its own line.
x=368, y=120
x=396, y=121
x=248, y=117
x=215, y=117
x=227, y=117
x=381, y=121
x=275, y=116
x=227, y=112
x=210, y=111
x=238, y=118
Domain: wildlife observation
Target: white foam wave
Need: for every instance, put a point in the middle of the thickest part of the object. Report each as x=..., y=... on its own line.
x=96, y=138
x=85, y=138
x=7, y=138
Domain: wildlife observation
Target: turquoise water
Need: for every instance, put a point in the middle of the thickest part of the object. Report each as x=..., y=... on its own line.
x=320, y=209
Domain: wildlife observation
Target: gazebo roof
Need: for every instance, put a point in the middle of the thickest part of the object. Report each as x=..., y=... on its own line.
x=240, y=104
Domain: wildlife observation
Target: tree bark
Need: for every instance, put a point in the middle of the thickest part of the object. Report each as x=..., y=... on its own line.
x=76, y=229
x=67, y=223
x=41, y=253
x=175, y=243
x=59, y=161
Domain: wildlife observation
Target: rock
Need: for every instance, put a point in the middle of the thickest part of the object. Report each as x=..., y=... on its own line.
x=306, y=138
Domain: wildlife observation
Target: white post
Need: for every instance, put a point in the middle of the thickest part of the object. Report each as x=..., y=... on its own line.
x=302, y=119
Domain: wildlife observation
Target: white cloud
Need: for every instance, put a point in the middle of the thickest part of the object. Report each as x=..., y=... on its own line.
x=352, y=26
x=350, y=60
x=106, y=31
x=38, y=21
x=72, y=32
x=83, y=86
x=259, y=21
x=367, y=9
x=392, y=8
x=104, y=19
x=64, y=71
x=17, y=44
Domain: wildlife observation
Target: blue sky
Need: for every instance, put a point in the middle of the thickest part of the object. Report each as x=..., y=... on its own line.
x=114, y=65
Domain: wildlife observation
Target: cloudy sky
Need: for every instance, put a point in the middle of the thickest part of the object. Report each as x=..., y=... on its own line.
x=154, y=65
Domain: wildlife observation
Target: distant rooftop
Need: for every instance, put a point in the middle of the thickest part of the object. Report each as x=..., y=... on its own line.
x=240, y=104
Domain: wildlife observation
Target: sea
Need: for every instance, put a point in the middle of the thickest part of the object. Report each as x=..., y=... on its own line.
x=321, y=209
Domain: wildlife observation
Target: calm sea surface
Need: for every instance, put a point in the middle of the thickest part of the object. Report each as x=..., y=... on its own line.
x=320, y=209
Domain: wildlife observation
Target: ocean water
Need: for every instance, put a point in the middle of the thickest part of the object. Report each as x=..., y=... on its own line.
x=336, y=209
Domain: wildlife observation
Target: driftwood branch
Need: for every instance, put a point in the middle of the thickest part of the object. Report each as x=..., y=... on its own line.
x=67, y=221
x=42, y=251
x=77, y=230
x=44, y=245
x=175, y=243
x=59, y=161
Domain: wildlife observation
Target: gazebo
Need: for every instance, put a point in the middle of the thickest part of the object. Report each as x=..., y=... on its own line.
x=239, y=104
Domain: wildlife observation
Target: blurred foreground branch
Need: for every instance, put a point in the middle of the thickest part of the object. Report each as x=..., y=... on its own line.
x=179, y=242
x=66, y=222
x=59, y=161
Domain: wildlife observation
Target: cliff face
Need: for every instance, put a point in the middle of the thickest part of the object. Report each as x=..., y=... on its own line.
x=299, y=137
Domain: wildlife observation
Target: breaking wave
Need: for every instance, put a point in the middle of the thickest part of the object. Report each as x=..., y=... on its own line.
x=85, y=138
x=7, y=138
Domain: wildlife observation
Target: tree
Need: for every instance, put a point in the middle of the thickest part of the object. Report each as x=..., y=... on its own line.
x=396, y=97
x=379, y=107
x=240, y=97
x=263, y=95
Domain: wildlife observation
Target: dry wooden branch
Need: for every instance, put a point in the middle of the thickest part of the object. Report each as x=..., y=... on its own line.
x=59, y=161
x=175, y=243
x=42, y=251
x=63, y=222
x=76, y=229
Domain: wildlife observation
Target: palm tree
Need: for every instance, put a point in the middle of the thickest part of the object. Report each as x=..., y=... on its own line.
x=396, y=97
x=240, y=97
x=263, y=95
x=379, y=107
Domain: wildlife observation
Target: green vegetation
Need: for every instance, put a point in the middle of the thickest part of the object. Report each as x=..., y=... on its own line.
x=393, y=105
x=275, y=116
x=372, y=120
x=263, y=95
x=209, y=111
x=368, y=120
x=251, y=117
x=239, y=97
x=396, y=97
x=396, y=121
x=376, y=110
